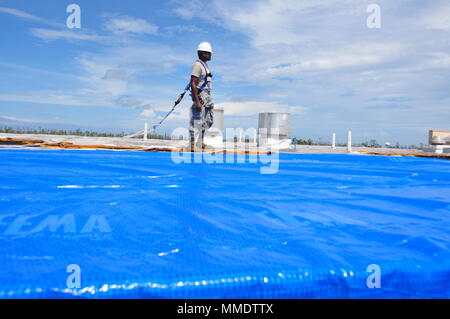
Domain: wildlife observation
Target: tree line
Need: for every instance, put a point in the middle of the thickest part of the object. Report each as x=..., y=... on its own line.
x=77, y=132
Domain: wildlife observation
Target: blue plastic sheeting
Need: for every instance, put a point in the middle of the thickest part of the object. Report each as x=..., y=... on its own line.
x=139, y=225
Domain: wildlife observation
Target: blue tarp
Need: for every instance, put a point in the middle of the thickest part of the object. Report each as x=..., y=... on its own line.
x=138, y=225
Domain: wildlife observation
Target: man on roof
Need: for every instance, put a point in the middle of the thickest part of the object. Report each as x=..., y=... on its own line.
x=202, y=110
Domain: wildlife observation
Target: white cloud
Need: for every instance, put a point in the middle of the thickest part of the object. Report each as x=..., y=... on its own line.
x=77, y=98
x=123, y=76
x=115, y=74
x=126, y=24
x=127, y=74
x=122, y=27
x=25, y=120
x=51, y=34
x=439, y=60
x=184, y=12
x=251, y=108
x=41, y=72
x=26, y=16
x=324, y=41
x=438, y=18
x=361, y=55
x=183, y=28
x=270, y=21
x=148, y=113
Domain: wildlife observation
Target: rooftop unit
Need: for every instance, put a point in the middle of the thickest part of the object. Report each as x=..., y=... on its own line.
x=274, y=129
x=214, y=136
x=439, y=142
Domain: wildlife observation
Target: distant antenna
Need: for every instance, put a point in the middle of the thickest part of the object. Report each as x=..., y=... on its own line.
x=143, y=133
x=349, y=141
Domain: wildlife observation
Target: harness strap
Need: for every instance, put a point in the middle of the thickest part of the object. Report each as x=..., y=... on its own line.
x=205, y=81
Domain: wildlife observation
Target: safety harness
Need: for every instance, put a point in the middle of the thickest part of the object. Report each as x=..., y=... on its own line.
x=205, y=81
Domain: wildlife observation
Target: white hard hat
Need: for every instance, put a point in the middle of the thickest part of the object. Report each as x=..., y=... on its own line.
x=205, y=46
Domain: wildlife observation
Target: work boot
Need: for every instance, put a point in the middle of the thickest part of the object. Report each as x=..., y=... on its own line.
x=195, y=147
x=198, y=146
x=192, y=145
x=206, y=147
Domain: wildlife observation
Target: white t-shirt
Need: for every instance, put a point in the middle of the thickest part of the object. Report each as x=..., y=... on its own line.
x=198, y=70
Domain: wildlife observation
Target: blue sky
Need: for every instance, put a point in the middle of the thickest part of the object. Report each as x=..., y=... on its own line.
x=316, y=59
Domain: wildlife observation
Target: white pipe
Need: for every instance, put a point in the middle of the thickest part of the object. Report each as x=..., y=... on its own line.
x=255, y=137
x=240, y=135
x=333, y=141
x=145, y=131
x=349, y=141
